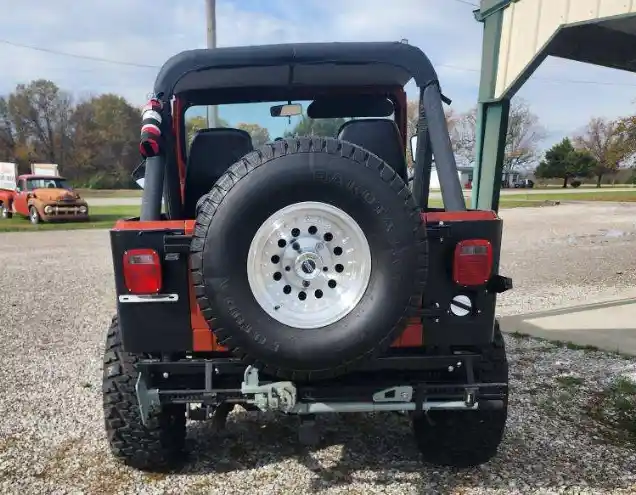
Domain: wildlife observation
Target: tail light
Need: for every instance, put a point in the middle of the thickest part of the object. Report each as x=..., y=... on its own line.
x=472, y=264
x=142, y=271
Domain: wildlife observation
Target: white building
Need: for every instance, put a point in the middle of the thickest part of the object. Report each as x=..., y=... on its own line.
x=465, y=175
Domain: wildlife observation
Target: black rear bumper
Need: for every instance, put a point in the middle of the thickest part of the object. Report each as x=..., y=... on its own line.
x=432, y=382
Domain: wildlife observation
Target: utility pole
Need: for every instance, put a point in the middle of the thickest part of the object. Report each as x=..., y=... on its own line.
x=210, y=11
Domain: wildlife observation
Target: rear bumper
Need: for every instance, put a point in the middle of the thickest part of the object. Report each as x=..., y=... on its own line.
x=409, y=383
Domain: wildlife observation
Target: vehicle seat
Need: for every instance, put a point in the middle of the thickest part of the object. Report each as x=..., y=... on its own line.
x=379, y=136
x=212, y=152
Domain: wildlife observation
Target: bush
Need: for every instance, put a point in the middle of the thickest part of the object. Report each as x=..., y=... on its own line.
x=575, y=183
x=104, y=180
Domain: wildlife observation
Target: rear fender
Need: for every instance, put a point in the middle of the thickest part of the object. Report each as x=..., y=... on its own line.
x=162, y=325
x=444, y=326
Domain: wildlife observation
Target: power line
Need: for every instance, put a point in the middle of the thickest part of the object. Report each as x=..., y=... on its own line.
x=548, y=79
x=148, y=66
x=466, y=2
x=77, y=55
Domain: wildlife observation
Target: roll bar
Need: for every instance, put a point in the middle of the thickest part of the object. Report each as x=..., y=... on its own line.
x=433, y=139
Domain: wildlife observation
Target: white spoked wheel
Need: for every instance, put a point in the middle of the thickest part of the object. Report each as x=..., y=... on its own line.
x=309, y=265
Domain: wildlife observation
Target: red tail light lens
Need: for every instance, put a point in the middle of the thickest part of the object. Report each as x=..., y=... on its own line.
x=472, y=264
x=142, y=271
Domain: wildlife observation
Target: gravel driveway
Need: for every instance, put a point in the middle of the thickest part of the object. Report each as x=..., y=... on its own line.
x=56, y=300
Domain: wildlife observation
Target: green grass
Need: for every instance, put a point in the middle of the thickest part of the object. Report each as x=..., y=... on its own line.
x=109, y=193
x=589, y=195
x=615, y=408
x=101, y=217
x=505, y=202
x=568, y=381
x=590, y=185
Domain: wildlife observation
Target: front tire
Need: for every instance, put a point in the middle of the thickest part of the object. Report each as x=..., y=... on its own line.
x=155, y=447
x=467, y=438
x=34, y=216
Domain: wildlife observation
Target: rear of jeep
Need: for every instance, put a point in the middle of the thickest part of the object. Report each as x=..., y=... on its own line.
x=303, y=276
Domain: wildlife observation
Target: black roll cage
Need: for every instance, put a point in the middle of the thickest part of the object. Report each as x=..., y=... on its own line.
x=392, y=62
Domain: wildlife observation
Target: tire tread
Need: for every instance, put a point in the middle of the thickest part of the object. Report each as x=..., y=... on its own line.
x=467, y=438
x=154, y=447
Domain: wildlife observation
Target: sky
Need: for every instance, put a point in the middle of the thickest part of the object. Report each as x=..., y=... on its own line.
x=142, y=34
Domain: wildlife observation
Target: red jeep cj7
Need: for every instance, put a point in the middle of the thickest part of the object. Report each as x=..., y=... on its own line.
x=303, y=275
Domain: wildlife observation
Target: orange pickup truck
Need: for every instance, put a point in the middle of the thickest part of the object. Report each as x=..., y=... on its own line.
x=43, y=198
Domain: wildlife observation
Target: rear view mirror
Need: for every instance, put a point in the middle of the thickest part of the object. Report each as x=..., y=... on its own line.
x=413, y=147
x=289, y=110
x=139, y=173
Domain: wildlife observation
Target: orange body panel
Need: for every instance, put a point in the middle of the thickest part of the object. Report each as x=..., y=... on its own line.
x=149, y=225
x=413, y=335
x=6, y=196
x=203, y=338
x=458, y=216
x=176, y=129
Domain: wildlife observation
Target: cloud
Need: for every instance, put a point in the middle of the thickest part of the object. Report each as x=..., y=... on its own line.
x=148, y=32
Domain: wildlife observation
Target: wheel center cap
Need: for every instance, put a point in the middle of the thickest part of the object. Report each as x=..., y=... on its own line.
x=307, y=265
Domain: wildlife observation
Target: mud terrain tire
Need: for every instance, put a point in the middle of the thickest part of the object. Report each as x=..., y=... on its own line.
x=467, y=438
x=156, y=447
x=355, y=190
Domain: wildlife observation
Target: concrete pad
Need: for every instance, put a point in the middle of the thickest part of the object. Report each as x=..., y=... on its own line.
x=609, y=325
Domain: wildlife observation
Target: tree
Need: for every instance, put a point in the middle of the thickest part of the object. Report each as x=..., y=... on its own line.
x=40, y=112
x=316, y=127
x=105, y=142
x=563, y=161
x=454, y=123
x=607, y=143
x=259, y=134
x=13, y=143
x=522, y=137
x=198, y=122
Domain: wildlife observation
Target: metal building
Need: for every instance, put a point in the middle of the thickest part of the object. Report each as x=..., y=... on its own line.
x=518, y=36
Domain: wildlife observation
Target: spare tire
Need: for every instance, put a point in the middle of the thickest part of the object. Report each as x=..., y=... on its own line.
x=308, y=257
